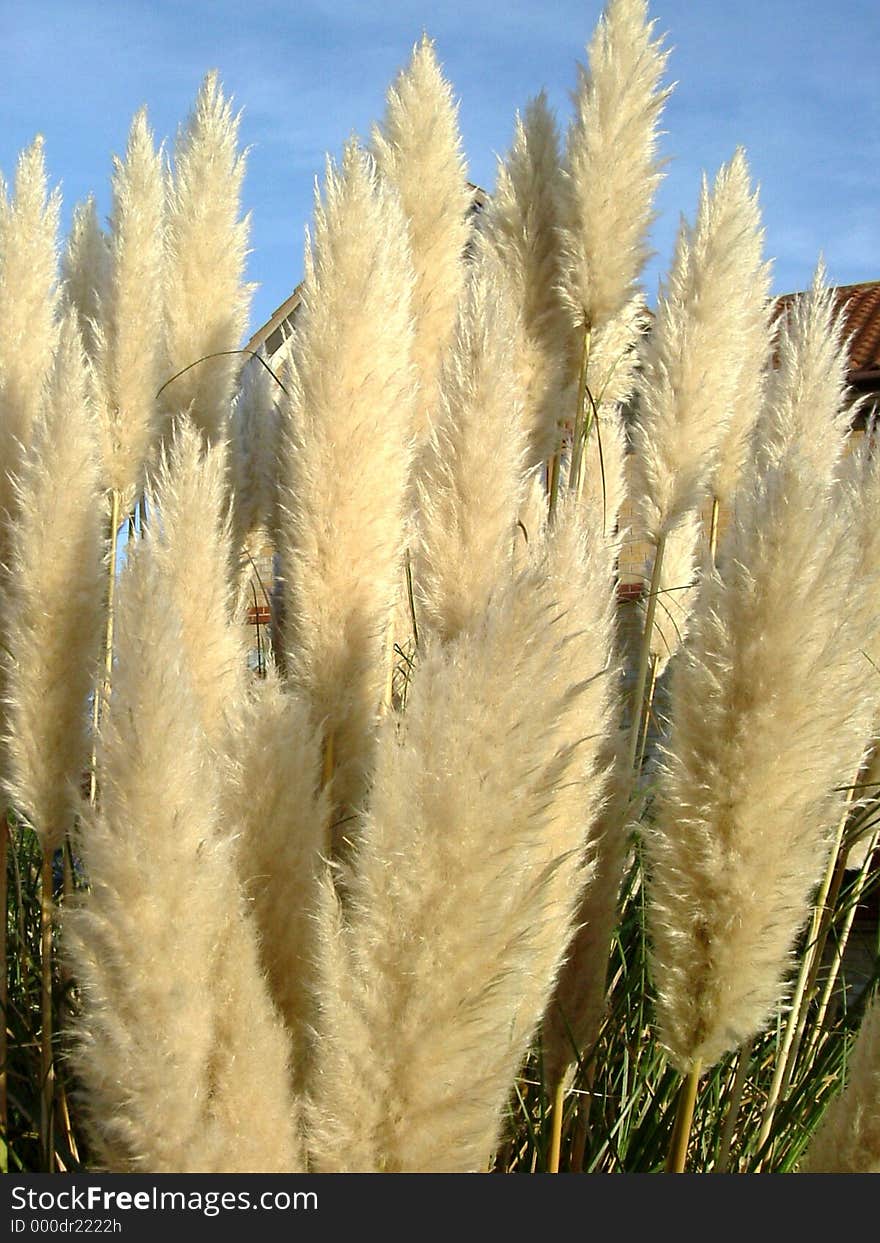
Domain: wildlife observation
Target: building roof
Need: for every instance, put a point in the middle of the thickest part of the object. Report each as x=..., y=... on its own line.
x=860, y=304
x=861, y=308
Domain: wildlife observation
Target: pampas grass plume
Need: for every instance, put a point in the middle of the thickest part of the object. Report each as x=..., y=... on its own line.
x=692, y=366
x=770, y=704
x=51, y=600
x=129, y=333
x=349, y=428
x=159, y=938
x=434, y=979
x=253, y=453
x=208, y=302
x=85, y=271
x=471, y=485
x=143, y=943
x=520, y=223
x=810, y=375
x=189, y=501
x=418, y=150
x=611, y=167
x=28, y=300
x=279, y=813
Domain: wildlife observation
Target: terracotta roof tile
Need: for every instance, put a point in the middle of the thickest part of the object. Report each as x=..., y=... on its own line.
x=861, y=306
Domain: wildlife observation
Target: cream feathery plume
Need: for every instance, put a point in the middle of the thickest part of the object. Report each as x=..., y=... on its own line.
x=208, y=303
x=51, y=601
x=280, y=815
x=770, y=704
x=471, y=484
x=148, y=943
x=692, y=366
x=189, y=502
x=574, y=1015
x=435, y=976
x=418, y=150
x=129, y=332
x=611, y=168
x=520, y=223
x=348, y=425
x=847, y=1140
x=810, y=375
x=751, y=361
x=862, y=838
x=857, y=489
x=85, y=271
x=253, y=1124
x=28, y=299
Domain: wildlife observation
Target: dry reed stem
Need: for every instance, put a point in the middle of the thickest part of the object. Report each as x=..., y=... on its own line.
x=47, y=1061
x=681, y=1133
x=732, y=1105
x=4, y=992
x=806, y=979
x=557, y=1116
x=840, y=945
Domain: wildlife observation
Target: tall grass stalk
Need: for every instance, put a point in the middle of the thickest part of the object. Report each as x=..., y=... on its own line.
x=684, y=1117
x=839, y=947
x=806, y=978
x=47, y=1056
x=4, y=996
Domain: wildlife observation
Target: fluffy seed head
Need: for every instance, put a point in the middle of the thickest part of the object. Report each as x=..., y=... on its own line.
x=473, y=473
x=611, y=166
x=28, y=298
x=208, y=302
x=520, y=224
x=418, y=150
x=129, y=334
x=769, y=705
x=431, y=989
x=693, y=360
x=51, y=601
x=348, y=424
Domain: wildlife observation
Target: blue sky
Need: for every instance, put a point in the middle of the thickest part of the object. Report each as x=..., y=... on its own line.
x=790, y=80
